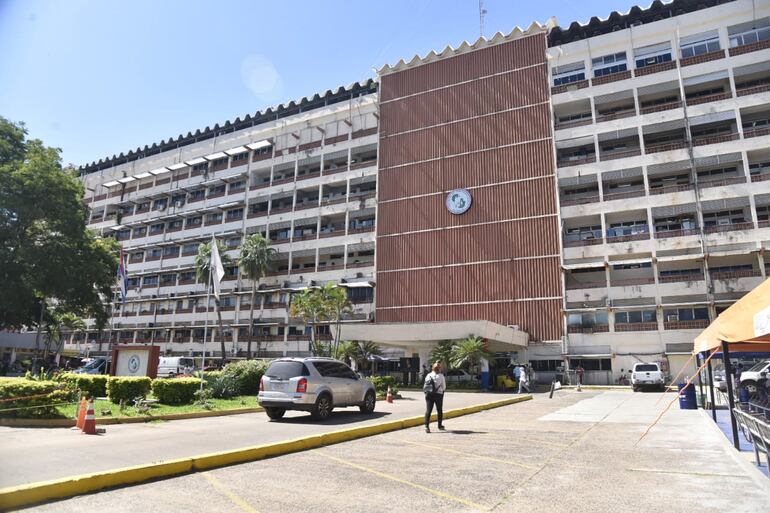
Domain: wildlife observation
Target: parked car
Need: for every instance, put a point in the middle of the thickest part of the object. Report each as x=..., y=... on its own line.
x=313, y=384
x=647, y=375
x=94, y=366
x=459, y=376
x=171, y=366
x=750, y=378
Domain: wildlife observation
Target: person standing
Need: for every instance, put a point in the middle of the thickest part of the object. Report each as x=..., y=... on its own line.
x=523, y=381
x=434, y=388
x=579, y=371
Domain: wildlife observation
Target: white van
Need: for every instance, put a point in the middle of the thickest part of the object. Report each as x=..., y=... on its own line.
x=170, y=366
x=647, y=375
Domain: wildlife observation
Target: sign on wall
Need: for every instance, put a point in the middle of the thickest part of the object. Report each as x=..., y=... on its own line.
x=135, y=361
x=458, y=201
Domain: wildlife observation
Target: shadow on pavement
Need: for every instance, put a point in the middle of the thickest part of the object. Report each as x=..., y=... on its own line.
x=337, y=418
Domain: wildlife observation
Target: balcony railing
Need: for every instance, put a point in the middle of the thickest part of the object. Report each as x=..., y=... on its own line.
x=363, y=229
x=660, y=107
x=756, y=132
x=583, y=242
x=734, y=180
x=655, y=68
x=696, y=324
x=356, y=265
x=613, y=77
x=667, y=234
x=636, y=326
x=625, y=194
x=572, y=123
x=756, y=89
x=582, y=84
x=665, y=146
x=706, y=57
x=670, y=189
x=576, y=162
x=616, y=115
x=597, y=328
x=628, y=238
x=332, y=233
x=751, y=47
x=627, y=282
x=732, y=275
x=680, y=278
x=709, y=98
x=764, y=223
x=586, y=285
x=621, y=154
x=715, y=139
x=580, y=201
x=728, y=227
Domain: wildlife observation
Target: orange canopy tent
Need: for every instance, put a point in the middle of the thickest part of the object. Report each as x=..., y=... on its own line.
x=745, y=326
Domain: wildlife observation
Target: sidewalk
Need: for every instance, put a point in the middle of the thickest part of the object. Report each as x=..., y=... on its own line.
x=30, y=455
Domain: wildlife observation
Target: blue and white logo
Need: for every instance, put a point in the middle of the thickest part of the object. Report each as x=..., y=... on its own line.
x=458, y=201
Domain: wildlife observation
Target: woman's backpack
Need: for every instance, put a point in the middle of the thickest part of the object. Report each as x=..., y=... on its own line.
x=429, y=386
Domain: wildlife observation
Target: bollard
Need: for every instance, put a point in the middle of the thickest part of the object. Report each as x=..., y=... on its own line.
x=553, y=387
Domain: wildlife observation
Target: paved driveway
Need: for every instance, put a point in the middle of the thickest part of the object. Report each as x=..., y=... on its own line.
x=579, y=452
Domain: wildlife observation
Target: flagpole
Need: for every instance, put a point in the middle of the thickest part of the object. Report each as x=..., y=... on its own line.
x=206, y=324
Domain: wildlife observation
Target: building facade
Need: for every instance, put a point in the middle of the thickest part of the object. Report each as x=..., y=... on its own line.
x=617, y=171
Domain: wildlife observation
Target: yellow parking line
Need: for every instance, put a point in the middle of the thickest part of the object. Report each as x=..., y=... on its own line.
x=404, y=481
x=535, y=441
x=216, y=483
x=471, y=455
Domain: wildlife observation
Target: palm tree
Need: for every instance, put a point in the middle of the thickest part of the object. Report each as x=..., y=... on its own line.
x=469, y=352
x=339, y=305
x=442, y=353
x=255, y=260
x=349, y=352
x=367, y=349
x=310, y=306
x=57, y=321
x=202, y=270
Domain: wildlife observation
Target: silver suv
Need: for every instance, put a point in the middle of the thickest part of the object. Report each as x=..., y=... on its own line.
x=314, y=384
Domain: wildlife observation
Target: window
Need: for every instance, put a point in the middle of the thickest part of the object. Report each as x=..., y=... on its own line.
x=216, y=217
x=700, y=44
x=217, y=189
x=140, y=232
x=132, y=283
x=221, y=162
x=237, y=186
x=197, y=195
x=168, y=279
x=171, y=251
x=724, y=218
x=588, y=319
x=175, y=225
x=239, y=159
x=731, y=268
x=157, y=228
x=194, y=221
x=228, y=301
x=635, y=317
x=608, y=64
x=568, y=74
x=178, y=199
x=652, y=55
x=623, y=267
x=763, y=213
x=155, y=253
x=627, y=228
x=150, y=280
x=593, y=364
x=680, y=272
x=686, y=314
x=686, y=222
x=748, y=33
x=232, y=243
x=546, y=365
x=583, y=233
x=285, y=370
x=187, y=276
x=202, y=168
x=235, y=214
x=265, y=150
x=160, y=204
x=719, y=172
x=143, y=207
x=231, y=271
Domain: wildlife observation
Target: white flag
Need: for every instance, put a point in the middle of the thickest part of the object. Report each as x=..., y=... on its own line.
x=215, y=266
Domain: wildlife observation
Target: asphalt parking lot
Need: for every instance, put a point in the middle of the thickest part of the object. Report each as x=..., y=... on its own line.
x=577, y=452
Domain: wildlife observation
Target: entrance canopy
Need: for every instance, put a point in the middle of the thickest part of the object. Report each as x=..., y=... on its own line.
x=500, y=338
x=747, y=321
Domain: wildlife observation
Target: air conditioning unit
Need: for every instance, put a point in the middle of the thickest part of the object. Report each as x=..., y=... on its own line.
x=672, y=318
x=178, y=203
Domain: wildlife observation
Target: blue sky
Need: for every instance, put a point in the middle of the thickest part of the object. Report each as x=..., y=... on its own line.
x=96, y=78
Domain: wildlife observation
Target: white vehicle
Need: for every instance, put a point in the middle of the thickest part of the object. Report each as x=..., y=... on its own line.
x=171, y=366
x=647, y=375
x=750, y=378
x=458, y=376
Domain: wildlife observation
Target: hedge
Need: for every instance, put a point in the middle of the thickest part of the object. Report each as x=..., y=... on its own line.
x=381, y=384
x=127, y=389
x=92, y=385
x=175, y=391
x=246, y=373
x=51, y=393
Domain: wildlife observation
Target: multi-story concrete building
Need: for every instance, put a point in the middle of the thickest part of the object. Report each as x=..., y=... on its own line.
x=617, y=173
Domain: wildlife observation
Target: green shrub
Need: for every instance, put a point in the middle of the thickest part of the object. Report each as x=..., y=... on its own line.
x=92, y=385
x=127, y=389
x=175, y=391
x=225, y=386
x=247, y=373
x=381, y=384
x=50, y=392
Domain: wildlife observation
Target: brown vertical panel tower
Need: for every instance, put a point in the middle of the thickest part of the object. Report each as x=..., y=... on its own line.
x=479, y=119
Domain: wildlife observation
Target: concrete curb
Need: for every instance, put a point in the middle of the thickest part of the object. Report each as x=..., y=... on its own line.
x=105, y=421
x=622, y=388
x=29, y=494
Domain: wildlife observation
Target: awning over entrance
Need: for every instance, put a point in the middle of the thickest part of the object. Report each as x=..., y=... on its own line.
x=501, y=338
x=748, y=321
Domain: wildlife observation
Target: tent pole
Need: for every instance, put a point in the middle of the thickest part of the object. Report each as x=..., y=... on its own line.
x=711, y=392
x=700, y=381
x=730, y=397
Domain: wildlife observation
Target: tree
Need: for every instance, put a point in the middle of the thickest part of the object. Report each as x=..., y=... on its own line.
x=339, y=306
x=469, y=352
x=349, y=352
x=311, y=306
x=202, y=271
x=367, y=349
x=442, y=353
x=255, y=260
x=46, y=252
x=56, y=323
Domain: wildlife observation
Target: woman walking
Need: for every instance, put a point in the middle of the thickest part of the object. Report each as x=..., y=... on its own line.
x=434, y=388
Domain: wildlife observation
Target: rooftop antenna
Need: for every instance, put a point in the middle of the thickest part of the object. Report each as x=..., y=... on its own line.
x=482, y=12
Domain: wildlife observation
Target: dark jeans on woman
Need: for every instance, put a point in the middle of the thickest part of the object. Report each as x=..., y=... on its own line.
x=430, y=400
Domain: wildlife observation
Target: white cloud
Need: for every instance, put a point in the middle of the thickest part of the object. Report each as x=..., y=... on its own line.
x=261, y=77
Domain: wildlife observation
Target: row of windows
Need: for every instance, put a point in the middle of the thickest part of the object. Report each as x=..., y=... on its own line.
x=591, y=319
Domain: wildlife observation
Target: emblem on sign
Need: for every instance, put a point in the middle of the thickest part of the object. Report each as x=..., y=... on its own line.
x=458, y=201
x=133, y=364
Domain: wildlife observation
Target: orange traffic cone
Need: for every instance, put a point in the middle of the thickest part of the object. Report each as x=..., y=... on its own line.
x=89, y=425
x=389, y=396
x=81, y=414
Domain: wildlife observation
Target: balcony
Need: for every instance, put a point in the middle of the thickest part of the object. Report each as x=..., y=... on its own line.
x=615, y=154
x=708, y=98
x=753, y=87
x=667, y=234
x=655, y=68
x=699, y=59
x=583, y=242
x=627, y=282
x=597, y=328
x=362, y=229
x=728, y=227
x=702, y=140
x=338, y=232
x=660, y=107
x=733, y=275
x=586, y=285
x=357, y=264
x=721, y=183
x=573, y=122
x=576, y=160
x=615, y=114
x=582, y=200
x=756, y=132
x=636, y=326
x=751, y=47
x=621, y=194
x=574, y=86
x=668, y=189
x=681, y=278
x=280, y=181
x=661, y=146
x=695, y=324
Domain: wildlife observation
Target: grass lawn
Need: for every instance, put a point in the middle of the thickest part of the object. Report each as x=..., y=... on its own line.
x=102, y=407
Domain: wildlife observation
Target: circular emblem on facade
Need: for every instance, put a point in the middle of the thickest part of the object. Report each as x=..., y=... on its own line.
x=133, y=364
x=458, y=201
